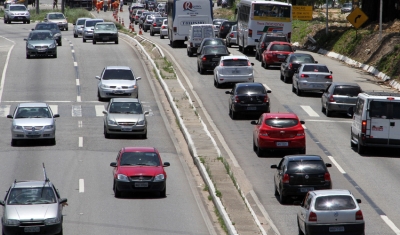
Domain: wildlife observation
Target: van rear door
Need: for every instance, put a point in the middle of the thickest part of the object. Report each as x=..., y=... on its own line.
x=379, y=122
x=394, y=124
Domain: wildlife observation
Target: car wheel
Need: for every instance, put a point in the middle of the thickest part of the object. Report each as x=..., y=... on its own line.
x=75, y=35
x=276, y=192
x=327, y=112
x=94, y=41
x=55, y=55
x=202, y=71
x=322, y=108
x=53, y=141
x=286, y=79
x=161, y=36
x=151, y=33
x=59, y=43
x=234, y=115
x=28, y=56
x=298, y=92
x=260, y=152
x=293, y=89
x=116, y=41
x=216, y=83
x=360, y=147
x=117, y=193
x=302, y=151
x=228, y=44
x=28, y=21
x=99, y=97
x=281, y=77
x=164, y=192
x=262, y=63
x=136, y=23
x=189, y=53
x=254, y=145
x=14, y=142
x=351, y=138
x=282, y=199
x=66, y=28
x=144, y=136
x=257, y=56
x=24, y=22
x=83, y=39
x=265, y=65
x=298, y=226
x=145, y=30
x=106, y=135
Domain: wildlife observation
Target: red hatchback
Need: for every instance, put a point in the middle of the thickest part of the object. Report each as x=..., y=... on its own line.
x=277, y=131
x=276, y=53
x=139, y=169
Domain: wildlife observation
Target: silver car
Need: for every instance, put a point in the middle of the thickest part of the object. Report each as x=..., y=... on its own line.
x=339, y=97
x=311, y=78
x=125, y=116
x=164, y=29
x=117, y=81
x=32, y=207
x=78, y=27
x=33, y=121
x=88, y=28
x=16, y=12
x=231, y=37
x=233, y=69
x=58, y=18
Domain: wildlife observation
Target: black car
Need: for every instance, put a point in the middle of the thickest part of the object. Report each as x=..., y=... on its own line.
x=217, y=23
x=156, y=26
x=298, y=174
x=248, y=98
x=225, y=28
x=53, y=27
x=210, y=41
x=209, y=57
x=292, y=63
x=264, y=41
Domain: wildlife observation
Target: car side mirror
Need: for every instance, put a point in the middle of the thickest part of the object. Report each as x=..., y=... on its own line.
x=316, y=62
x=358, y=200
x=105, y=112
x=9, y=116
x=56, y=115
x=146, y=112
x=97, y=77
x=2, y=203
x=32, y=29
x=254, y=122
x=350, y=112
x=256, y=40
x=113, y=164
x=73, y=24
x=252, y=64
x=331, y=72
x=274, y=166
x=62, y=200
x=166, y=164
x=138, y=78
x=302, y=122
x=328, y=165
x=228, y=92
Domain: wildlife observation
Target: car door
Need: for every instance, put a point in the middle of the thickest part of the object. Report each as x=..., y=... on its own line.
x=115, y=169
x=257, y=128
x=60, y=206
x=279, y=174
x=379, y=121
x=326, y=94
x=284, y=65
x=304, y=210
x=394, y=129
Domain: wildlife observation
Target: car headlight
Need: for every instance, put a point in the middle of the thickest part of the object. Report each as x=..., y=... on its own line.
x=122, y=177
x=30, y=46
x=51, y=221
x=12, y=222
x=52, y=46
x=18, y=128
x=49, y=127
x=111, y=122
x=57, y=35
x=11, y=13
x=105, y=86
x=141, y=122
x=160, y=177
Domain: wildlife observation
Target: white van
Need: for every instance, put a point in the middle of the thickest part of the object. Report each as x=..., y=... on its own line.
x=376, y=121
x=196, y=34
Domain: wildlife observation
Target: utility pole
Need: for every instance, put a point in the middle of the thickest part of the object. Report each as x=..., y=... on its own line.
x=37, y=6
x=326, y=30
x=380, y=22
x=62, y=6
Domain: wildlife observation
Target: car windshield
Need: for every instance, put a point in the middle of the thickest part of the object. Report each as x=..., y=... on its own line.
x=234, y=28
x=281, y=122
x=118, y=74
x=347, y=5
x=218, y=22
x=105, y=27
x=139, y=158
x=34, y=112
x=159, y=20
x=56, y=16
x=347, y=90
x=306, y=166
x=46, y=27
x=302, y=58
x=315, y=68
x=250, y=90
x=235, y=62
x=81, y=22
x=91, y=23
x=39, y=36
x=126, y=107
x=24, y=196
x=17, y=8
x=335, y=202
x=215, y=50
x=281, y=47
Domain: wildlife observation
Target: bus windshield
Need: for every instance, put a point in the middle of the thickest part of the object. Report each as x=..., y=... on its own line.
x=268, y=11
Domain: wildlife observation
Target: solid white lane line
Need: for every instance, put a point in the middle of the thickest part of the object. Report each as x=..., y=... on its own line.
x=390, y=224
x=3, y=76
x=73, y=51
x=313, y=120
x=304, y=126
x=78, y=98
x=77, y=82
x=309, y=111
x=80, y=124
x=80, y=142
x=54, y=108
x=267, y=87
x=4, y=110
x=337, y=165
x=75, y=64
x=81, y=186
x=99, y=110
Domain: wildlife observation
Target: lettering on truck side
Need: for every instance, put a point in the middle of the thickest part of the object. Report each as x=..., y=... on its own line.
x=192, y=22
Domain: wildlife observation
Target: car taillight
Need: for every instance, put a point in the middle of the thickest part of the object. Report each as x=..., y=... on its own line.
x=231, y=35
x=191, y=44
x=304, y=76
x=154, y=24
x=221, y=28
x=301, y=133
x=289, y=35
x=359, y=215
x=327, y=176
x=237, y=100
x=175, y=29
x=290, y=65
x=221, y=64
x=312, y=217
x=364, y=126
x=285, y=179
x=262, y=45
x=331, y=99
x=163, y=27
x=137, y=17
x=203, y=58
x=329, y=77
x=263, y=133
x=250, y=33
x=265, y=99
x=269, y=54
x=248, y=63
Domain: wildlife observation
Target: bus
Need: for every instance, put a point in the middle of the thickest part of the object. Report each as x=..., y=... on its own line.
x=182, y=14
x=256, y=17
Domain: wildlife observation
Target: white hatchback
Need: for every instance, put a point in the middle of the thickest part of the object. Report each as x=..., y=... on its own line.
x=164, y=29
x=233, y=69
x=330, y=211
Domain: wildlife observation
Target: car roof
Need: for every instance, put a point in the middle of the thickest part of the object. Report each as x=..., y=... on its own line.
x=328, y=192
x=83, y=18
x=138, y=149
x=30, y=105
x=232, y=57
x=214, y=45
x=60, y=13
x=280, y=115
x=303, y=157
x=345, y=84
x=17, y=4
x=31, y=184
x=249, y=84
x=124, y=100
x=106, y=23
x=94, y=19
x=118, y=67
x=212, y=39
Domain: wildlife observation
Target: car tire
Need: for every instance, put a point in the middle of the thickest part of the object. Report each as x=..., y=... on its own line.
x=59, y=44
x=276, y=192
x=145, y=30
x=281, y=77
x=360, y=147
x=83, y=39
x=161, y=36
x=106, y=135
x=14, y=142
x=201, y=70
x=266, y=65
x=260, y=152
x=116, y=41
x=75, y=35
x=322, y=108
x=163, y=193
x=327, y=112
x=66, y=29
x=99, y=98
x=234, y=114
x=257, y=56
x=352, y=145
x=55, y=55
x=254, y=145
x=136, y=23
x=286, y=79
x=282, y=199
x=144, y=136
x=28, y=56
x=293, y=89
x=151, y=33
x=24, y=22
x=28, y=21
x=53, y=141
x=228, y=44
x=298, y=91
x=189, y=53
x=117, y=193
x=298, y=226
x=302, y=151
x=216, y=83
x=94, y=41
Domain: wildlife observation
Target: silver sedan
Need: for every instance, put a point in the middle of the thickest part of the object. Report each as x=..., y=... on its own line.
x=311, y=78
x=233, y=69
x=33, y=121
x=117, y=81
x=78, y=27
x=125, y=116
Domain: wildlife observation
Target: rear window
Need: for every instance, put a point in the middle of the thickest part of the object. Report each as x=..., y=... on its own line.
x=278, y=47
x=250, y=90
x=281, y=122
x=351, y=91
x=378, y=109
x=315, y=68
x=335, y=202
x=275, y=38
x=215, y=50
x=118, y=74
x=309, y=167
x=236, y=62
x=213, y=42
x=302, y=59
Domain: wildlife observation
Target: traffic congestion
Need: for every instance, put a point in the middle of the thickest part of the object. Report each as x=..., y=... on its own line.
x=280, y=114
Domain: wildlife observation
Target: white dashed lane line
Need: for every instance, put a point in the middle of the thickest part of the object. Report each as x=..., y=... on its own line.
x=80, y=142
x=81, y=186
x=309, y=111
x=336, y=164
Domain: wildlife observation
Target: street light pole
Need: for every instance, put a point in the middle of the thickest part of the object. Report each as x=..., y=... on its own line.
x=326, y=30
x=380, y=22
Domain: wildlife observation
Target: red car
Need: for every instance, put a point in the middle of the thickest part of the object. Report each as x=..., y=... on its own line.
x=139, y=169
x=276, y=53
x=277, y=131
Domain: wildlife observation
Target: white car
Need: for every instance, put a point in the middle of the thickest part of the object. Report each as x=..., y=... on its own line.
x=117, y=81
x=330, y=211
x=164, y=29
x=233, y=69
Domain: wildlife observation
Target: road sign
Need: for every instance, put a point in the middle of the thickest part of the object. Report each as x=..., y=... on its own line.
x=357, y=17
x=302, y=12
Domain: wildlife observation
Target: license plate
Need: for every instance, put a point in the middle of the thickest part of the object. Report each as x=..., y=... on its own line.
x=126, y=129
x=281, y=57
x=282, y=144
x=317, y=86
x=33, y=133
x=235, y=71
x=141, y=185
x=336, y=229
x=106, y=38
x=304, y=190
x=251, y=108
x=215, y=59
x=118, y=92
x=32, y=229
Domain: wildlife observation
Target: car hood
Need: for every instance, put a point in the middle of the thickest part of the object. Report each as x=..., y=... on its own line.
x=41, y=42
x=32, y=211
x=33, y=121
x=58, y=21
x=104, y=31
x=123, y=117
x=140, y=170
x=115, y=82
x=19, y=12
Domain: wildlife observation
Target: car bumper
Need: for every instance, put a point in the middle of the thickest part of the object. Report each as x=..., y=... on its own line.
x=235, y=78
x=79, y=32
x=155, y=29
x=43, y=230
x=110, y=93
x=37, y=135
x=132, y=130
x=164, y=32
x=87, y=35
x=41, y=53
x=146, y=26
x=105, y=38
x=19, y=18
x=321, y=229
x=193, y=49
x=301, y=190
x=232, y=41
x=251, y=108
x=209, y=65
x=131, y=186
x=340, y=107
x=313, y=86
x=265, y=142
x=63, y=26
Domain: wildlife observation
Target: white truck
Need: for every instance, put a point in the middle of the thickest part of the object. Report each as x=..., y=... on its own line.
x=196, y=34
